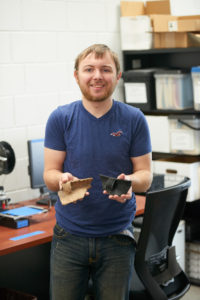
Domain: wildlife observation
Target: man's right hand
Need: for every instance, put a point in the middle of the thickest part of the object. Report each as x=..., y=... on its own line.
x=66, y=177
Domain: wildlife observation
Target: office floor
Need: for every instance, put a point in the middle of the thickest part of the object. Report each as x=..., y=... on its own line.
x=193, y=293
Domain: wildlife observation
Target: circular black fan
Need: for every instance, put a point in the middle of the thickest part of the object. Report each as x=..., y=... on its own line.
x=7, y=158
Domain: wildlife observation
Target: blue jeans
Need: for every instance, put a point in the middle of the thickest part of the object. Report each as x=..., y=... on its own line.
x=107, y=260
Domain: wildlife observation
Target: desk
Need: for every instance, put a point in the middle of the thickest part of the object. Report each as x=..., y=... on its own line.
x=24, y=264
x=43, y=222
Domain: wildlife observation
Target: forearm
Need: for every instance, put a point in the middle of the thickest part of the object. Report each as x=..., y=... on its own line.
x=141, y=180
x=52, y=179
x=53, y=168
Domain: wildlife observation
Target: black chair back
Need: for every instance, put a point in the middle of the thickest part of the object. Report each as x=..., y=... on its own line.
x=157, y=274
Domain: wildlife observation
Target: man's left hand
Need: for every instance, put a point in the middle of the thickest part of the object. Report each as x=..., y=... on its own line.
x=124, y=197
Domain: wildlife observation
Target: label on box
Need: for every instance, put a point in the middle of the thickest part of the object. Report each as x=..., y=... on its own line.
x=135, y=92
x=172, y=26
x=197, y=92
x=182, y=140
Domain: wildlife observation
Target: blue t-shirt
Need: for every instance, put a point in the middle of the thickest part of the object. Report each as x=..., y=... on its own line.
x=97, y=146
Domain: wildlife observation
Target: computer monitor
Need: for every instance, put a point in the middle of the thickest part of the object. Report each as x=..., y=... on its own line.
x=35, y=170
x=36, y=163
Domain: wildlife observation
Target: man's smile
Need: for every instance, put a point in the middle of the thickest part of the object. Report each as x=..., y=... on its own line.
x=97, y=86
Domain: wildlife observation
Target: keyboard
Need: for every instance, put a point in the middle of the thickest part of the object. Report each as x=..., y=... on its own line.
x=45, y=201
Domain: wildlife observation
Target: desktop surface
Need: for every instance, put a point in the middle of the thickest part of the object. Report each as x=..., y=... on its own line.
x=12, y=240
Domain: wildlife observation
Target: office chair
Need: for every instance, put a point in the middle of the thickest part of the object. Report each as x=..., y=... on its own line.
x=158, y=183
x=157, y=274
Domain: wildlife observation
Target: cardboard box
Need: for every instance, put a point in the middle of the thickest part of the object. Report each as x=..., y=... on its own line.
x=168, y=23
x=193, y=39
x=185, y=24
x=181, y=166
x=162, y=20
x=176, y=39
x=158, y=7
x=168, y=31
x=135, y=26
x=133, y=8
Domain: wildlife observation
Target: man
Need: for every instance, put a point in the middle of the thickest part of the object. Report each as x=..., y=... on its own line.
x=96, y=135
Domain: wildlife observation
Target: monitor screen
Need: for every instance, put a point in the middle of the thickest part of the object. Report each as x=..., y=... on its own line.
x=36, y=163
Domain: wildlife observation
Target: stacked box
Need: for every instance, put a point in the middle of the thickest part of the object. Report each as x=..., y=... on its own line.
x=181, y=166
x=174, y=90
x=139, y=88
x=176, y=39
x=136, y=33
x=175, y=31
x=193, y=260
x=159, y=138
x=166, y=30
x=195, y=71
x=184, y=134
x=136, y=23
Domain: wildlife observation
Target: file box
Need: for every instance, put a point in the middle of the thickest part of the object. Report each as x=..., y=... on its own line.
x=159, y=131
x=184, y=131
x=139, y=86
x=193, y=261
x=181, y=166
x=195, y=72
x=173, y=90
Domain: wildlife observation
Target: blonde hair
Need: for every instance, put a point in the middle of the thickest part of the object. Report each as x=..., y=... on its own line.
x=98, y=50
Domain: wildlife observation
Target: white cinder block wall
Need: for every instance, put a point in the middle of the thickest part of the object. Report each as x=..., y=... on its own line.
x=39, y=40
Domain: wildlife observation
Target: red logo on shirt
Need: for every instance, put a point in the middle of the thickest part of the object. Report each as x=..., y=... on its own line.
x=118, y=133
